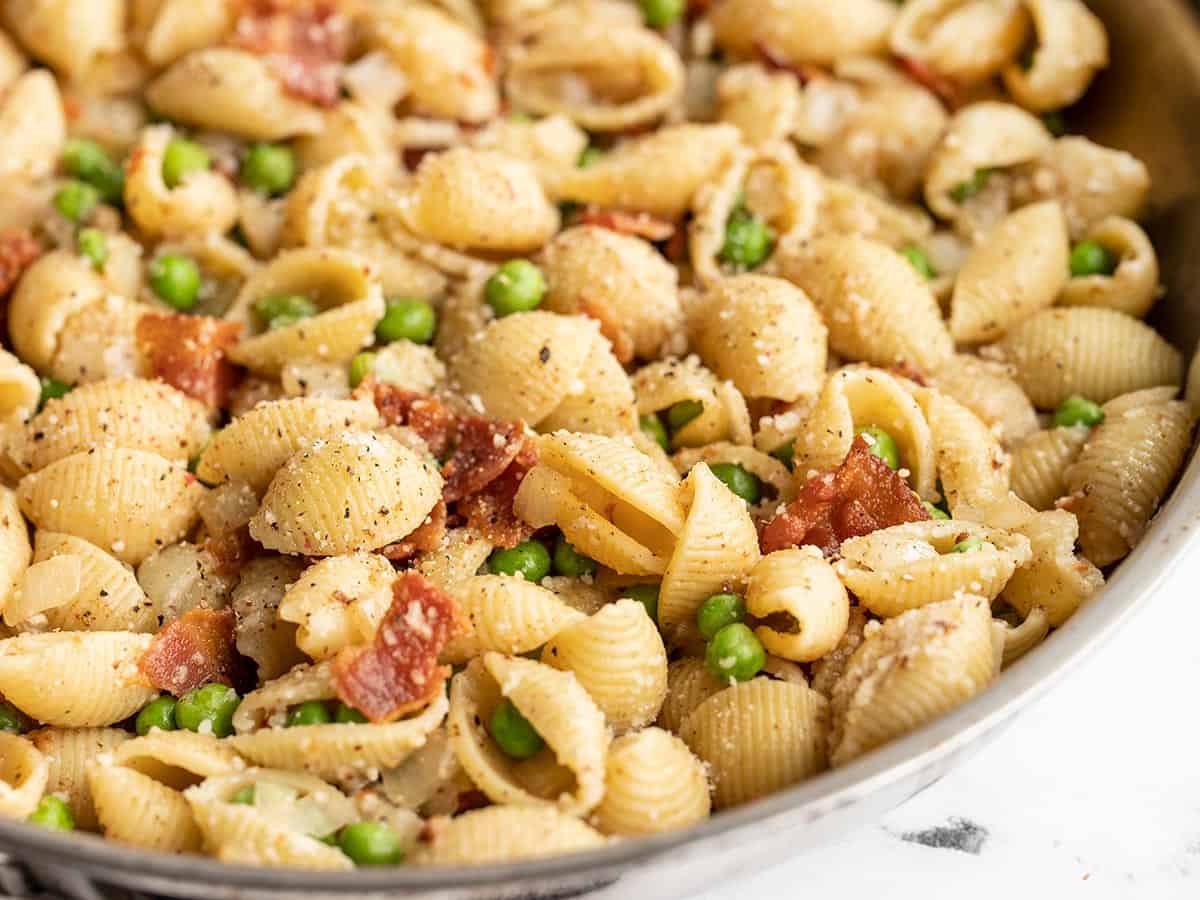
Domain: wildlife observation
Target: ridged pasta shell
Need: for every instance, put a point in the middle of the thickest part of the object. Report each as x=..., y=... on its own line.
x=20, y=391
x=909, y=671
x=23, y=774
x=801, y=585
x=1134, y=287
x=600, y=400
x=134, y=809
x=1040, y=462
x=966, y=42
x=254, y=446
x=1072, y=46
x=990, y=390
x=653, y=783
x=502, y=834
x=757, y=737
x=15, y=551
x=804, y=31
x=165, y=31
x=68, y=752
x=974, y=469
x=108, y=596
x=338, y=602
x=506, y=614
x=357, y=491
x=689, y=683
x=128, y=502
x=629, y=686
x=458, y=558
x=767, y=469
x=32, y=119
x=75, y=679
x=54, y=288
x=723, y=415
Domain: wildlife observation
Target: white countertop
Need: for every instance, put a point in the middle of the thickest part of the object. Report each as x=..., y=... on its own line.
x=1095, y=792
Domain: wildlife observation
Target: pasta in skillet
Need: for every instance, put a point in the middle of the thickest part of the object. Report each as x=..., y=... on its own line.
x=451, y=433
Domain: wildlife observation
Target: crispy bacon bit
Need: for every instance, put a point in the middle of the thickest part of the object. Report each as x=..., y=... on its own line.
x=304, y=43
x=485, y=448
x=469, y=800
x=773, y=59
x=860, y=496
x=639, y=224
x=398, y=672
x=18, y=250
x=948, y=91
x=194, y=650
x=425, y=539
x=427, y=416
x=231, y=550
x=490, y=512
x=188, y=353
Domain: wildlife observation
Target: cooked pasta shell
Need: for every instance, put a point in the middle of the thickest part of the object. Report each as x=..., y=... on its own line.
x=68, y=752
x=763, y=104
x=15, y=551
x=458, y=558
x=801, y=585
x=689, y=683
x=68, y=34
x=75, y=679
x=135, y=809
x=166, y=30
x=965, y=40
x=338, y=602
x=500, y=834
x=506, y=614
x=829, y=668
x=1040, y=463
x=848, y=209
x=553, y=143
x=758, y=736
x=20, y=391
x=356, y=491
x=1016, y=641
x=628, y=686
x=767, y=469
x=973, y=468
x=804, y=31
x=1133, y=287
x=910, y=670
x=1072, y=46
x=600, y=400
x=23, y=775
x=723, y=414
x=653, y=783
x=990, y=390
x=54, y=288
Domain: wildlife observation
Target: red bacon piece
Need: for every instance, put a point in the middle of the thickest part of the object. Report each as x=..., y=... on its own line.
x=490, y=511
x=484, y=450
x=398, y=672
x=231, y=550
x=638, y=224
x=305, y=44
x=194, y=650
x=18, y=250
x=429, y=417
x=188, y=353
x=948, y=91
x=426, y=538
x=861, y=496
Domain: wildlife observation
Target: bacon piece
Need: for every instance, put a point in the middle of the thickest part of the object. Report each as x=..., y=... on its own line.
x=398, y=672
x=429, y=417
x=776, y=61
x=188, y=353
x=485, y=448
x=861, y=496
x=427, y=537
x=639, y=224
x=304, y=43
x=947, y=90
x=194, y=650
x=18, y=250
x=231, y=550
x=490, y=512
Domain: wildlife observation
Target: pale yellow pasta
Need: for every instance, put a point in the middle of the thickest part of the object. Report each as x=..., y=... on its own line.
x=12, y=62
x=202, y=202
x=506, y=614
x=618, y=656
x=458, y=557
x=990, y=390
x=19, y=388
x=723, y=414
x=15, y=551
x=763, y=334
x=991, y=295
x=600, y=400
x=552, y=143
x=762, y=104
x=757, y=737
x=1072, y=46
x=803, y=589
x=653, y=783
x=965, y=40
x=68, y=34
x=255, y=445
x=165, y=30
x=568, y=773
x=68, y=751
x=877, y=306
x=774, y=475
x=1016, y=641
x=848, y=209
x=1040, y=462
x=910, y=670
x=1133, y=287
x=355, y=491
x=829, y=668
x=903, y=567
x=32, y=126
x=689, y=683
x=99, y=341
x=973, y=468
x=804, y=31
x=231, y=90
x=23, y=775
x=1124, y=470
x=75, y=679
x=1099, y=353
x=501, y=834
x=338, y=602
x=717, y=547
x=53, y=289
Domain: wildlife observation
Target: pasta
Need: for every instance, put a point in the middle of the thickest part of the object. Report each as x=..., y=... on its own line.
x=805, y=590
x=69, y=752
x=652, y=783
x=23, y=774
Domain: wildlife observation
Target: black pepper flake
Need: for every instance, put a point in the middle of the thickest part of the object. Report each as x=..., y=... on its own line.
x=544, y=354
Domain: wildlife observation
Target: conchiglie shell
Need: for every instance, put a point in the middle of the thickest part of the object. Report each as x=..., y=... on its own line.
x=166, y=30
x=255, y=445
x=456, y=559
x=767, y=469
x=974, y=469
x=501, y=834
x=20, y=390
x=107, y=596
x=991, y=294
x=877, y=306
x=717, y=547
x=1072, y=46
x=1099, y=353
x=23, y=774
x=338, y=602
x=551, y=143
x=653, y=783
x=689, y=683
x=762, y=104
x=723, y=416
x=126, y=501
x=1040, y=463
x=75, y=679
x=68, y=752
x=849, y=209
x=15, y=551
x=803, y=586
x=757, y=737
x=629, y=685
x=804, y=31
x=910, y=670
x=600, y=400
x=33, y=126
x=900, y=568
x=136, y=810
x=1133, y=287
x=966, y=42
x=506, y=614
x=1016, y=641
x=990, y=390
x=132, y=413
x=53, y=289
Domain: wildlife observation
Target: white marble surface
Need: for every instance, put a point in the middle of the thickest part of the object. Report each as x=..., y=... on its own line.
x=1094, y=793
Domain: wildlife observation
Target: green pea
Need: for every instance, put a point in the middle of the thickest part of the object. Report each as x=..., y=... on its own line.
x=176, y=280
x=269, y=168
x=348, y=715
x=935, y=512
x=244, y=796
x=1091, y=258
x=517, y=286
x=1077, y=410
x=75, y=200
x=683, y=412
x=371, y=844
x=786, y=453
x=52, y=389
x=882, y=444
x=283, y=310
x=53, y=814
x=734, y=653
x=1055, y=123
x=312, y=712
x=569, y=561
x=920, y=261
x=12, y=721
x=718, y=611
x=360, y=368
x=530, y=560
x=407, y=320
x=182, y=157
x=745, y=484
x=589, y=155
x=968, y=545
x=158, y=714
x=652, y=427
x=513, y=733
x=213, y=704
x=747, y=241
x=661, y=13
x=89, y=162
x=965, y=190
x=645, y=594
x=93, y=246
